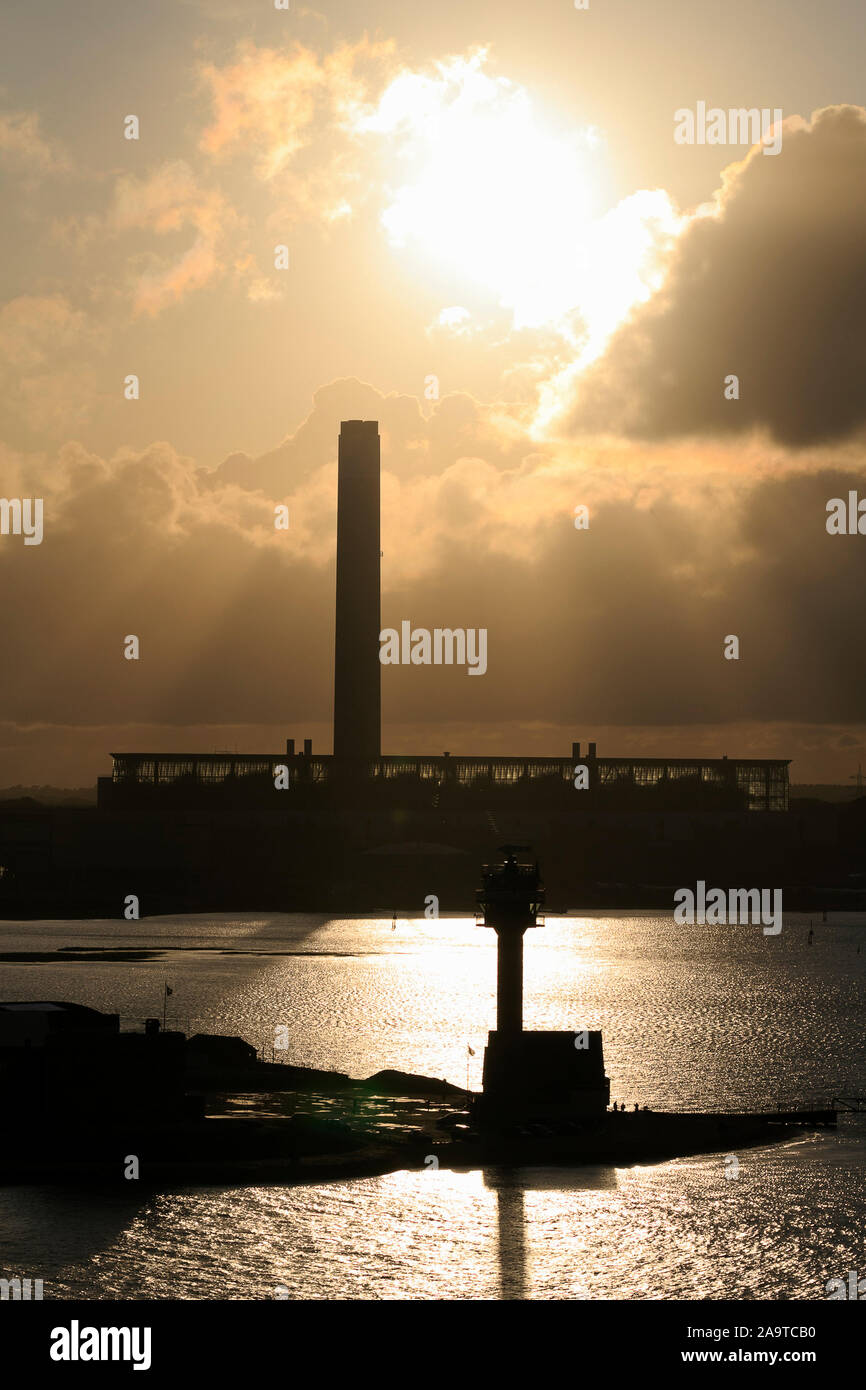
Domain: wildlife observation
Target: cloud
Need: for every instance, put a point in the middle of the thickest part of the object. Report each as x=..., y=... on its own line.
x=22, y=145
x=207, y=238
x=134, y=544
x=168, y=201
x=282, y=104
x=769, y=284
x=33, y=328
x=45, y=384
x=412, y=443
x=275, y=105
x=623, y=624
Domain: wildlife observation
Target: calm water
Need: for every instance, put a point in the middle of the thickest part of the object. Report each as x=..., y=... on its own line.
x=693, y=1017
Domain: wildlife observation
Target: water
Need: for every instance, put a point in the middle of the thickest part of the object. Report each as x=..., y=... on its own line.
x=693, y=1017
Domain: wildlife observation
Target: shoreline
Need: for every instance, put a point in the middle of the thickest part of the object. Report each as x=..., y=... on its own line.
x=630, y=1139
x=640, y=897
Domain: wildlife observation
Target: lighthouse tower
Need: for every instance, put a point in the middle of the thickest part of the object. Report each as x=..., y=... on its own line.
x=511, y=897
x=530, y=1074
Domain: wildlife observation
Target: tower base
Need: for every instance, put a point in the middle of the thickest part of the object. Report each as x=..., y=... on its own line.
x=538, y=1075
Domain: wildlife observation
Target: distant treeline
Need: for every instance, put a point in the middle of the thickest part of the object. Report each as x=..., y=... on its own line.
x=51, y=796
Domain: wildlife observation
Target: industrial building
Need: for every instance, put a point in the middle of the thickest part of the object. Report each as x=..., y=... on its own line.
x=140, y=779
x=223, y=780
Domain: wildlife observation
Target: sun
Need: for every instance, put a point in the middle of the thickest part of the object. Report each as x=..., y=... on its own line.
x=510, y=208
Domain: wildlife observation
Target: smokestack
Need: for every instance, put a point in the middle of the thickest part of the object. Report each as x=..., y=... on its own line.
x=357, y=672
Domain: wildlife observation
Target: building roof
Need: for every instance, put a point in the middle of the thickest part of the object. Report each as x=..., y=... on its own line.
x=33, y=1006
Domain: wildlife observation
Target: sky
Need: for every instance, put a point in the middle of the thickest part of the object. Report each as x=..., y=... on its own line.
x=473, y=223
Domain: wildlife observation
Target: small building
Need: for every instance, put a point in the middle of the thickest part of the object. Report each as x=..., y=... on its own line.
x=64, y=1064
x=32, y=1023
x=541, y=1075
x=211, y=1052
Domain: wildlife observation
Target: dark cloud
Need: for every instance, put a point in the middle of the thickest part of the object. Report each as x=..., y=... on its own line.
x=622, y=624
x=770, y=287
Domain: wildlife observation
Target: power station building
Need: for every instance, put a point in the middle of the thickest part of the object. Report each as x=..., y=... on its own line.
x=231, y=780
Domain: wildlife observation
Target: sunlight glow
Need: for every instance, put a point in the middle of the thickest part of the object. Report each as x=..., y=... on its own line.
x=508, y=205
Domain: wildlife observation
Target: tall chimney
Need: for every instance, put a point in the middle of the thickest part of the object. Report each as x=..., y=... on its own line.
x=357, y=672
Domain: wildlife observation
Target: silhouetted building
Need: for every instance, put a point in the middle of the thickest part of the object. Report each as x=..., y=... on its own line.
x=208, y=1053
x=63, y=1064
x=239, y=779
x=220, y=781
x=33, y=1023
x=530, y=1074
